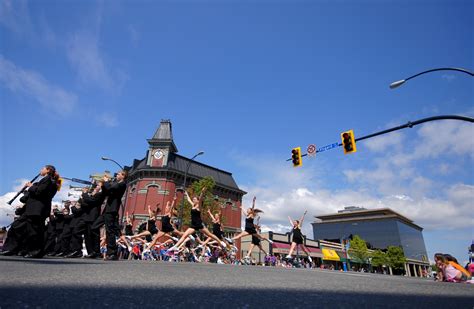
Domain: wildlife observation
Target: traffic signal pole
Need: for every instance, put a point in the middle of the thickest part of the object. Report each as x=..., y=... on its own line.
x=409, y=124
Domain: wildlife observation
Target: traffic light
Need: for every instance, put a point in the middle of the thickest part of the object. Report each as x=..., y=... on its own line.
x=348, y=142
x=296, y=157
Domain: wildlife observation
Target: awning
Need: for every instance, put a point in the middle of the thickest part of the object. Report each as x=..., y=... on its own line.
x=315, y=252
x=284, y=248
x=281, y=248
x=330, y=255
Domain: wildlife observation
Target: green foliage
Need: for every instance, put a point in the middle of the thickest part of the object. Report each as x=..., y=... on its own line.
x=358, y=249
x=379, y=258
x=208, y=201
x=396, y=258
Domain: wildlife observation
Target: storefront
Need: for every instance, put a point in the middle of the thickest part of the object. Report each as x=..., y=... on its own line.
x=331, y=259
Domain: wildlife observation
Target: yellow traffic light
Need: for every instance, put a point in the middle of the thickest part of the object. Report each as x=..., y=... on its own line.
x=296, y=157
x=348, y=142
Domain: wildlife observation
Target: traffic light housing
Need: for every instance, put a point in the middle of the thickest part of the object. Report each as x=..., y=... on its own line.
x=348, y=142
x=296, y=157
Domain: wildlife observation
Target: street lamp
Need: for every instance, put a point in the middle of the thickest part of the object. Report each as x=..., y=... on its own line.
x=401, y=82
x=181, y=209
x=109, y=159
x=121, y=168
x=345, y=242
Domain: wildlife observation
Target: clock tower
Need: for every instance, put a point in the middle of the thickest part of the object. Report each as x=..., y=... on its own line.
x=161, y=145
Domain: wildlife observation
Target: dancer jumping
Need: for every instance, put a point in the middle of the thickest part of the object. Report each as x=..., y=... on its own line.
x=196, y=221
x=249, y=224
x=297, y=237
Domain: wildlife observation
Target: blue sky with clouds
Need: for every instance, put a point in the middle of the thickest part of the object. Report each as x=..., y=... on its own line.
x=245, y=82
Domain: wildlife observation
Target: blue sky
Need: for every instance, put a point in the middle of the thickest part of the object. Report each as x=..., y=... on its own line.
x=246, y=82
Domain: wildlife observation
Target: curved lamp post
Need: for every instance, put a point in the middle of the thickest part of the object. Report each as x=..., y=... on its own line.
x=109, y=159
x=181, y=208
x=401, y=82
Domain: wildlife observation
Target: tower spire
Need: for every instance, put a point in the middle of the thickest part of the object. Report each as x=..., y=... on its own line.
x=163, y=136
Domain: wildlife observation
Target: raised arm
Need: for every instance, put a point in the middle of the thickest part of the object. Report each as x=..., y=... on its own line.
x=210, y=214
x=189, y=199
x=243, y=210
x=258, y=220
x=149, y=211
x=291, y=221
x=253, y=202
x=202, y=193
x=302, y=218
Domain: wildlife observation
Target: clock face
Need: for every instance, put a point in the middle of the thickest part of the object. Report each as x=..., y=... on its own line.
x=158, y=154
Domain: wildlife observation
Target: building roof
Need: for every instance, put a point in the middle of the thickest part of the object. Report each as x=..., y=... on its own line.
x=196, y=170
x=164, y=136
x=365, y=214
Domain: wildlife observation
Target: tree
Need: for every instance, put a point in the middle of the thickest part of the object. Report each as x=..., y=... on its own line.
x=396, y=258
x=379, y=259
x=358, y=249
x=208, y=201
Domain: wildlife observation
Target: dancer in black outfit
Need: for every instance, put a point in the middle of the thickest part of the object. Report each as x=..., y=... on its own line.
x=255, y=241
x=167, y=229
x=297, y=237
x=250, y=214
x=148, y=228
x=114, y=191
x=196, y=222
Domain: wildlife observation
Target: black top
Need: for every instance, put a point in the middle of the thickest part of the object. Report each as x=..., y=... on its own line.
x=152, y=227
x=40, y=195
x=166, y=224
x=196, y=221
x=114, y=192
x=249, y=223
x=216, y=229
x=297, y=236
x=249, y=226
x=91, y=205
x=128, y=230
x=59, y=221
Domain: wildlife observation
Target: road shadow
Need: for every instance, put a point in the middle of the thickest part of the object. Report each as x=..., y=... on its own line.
x=49, y=260
x=121, y=297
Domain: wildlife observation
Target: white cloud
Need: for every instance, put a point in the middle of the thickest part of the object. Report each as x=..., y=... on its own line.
x=448, y=77
x=15, y=16
x=134, y=35
x=445, y=137
x=382, y=142
x=392, y=179
x=7, y=211
x=34, y=85
x=86, y=57
x=107, y=120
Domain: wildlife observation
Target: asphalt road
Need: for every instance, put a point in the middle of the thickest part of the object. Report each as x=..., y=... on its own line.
x=79, y=283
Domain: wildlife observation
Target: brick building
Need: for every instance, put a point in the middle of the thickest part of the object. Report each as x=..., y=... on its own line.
x=155, y=179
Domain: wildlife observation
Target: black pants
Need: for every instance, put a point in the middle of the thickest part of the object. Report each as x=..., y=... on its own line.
x=112, y=230
x=16, y=235
x=64, y=239
x=50, y=242
x=91, y=237
x=57, y=246
x=35, y=227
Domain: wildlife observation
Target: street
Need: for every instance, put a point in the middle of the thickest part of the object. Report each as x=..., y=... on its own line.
x=41, y=283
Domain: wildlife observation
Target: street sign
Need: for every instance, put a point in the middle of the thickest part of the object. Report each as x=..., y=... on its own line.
x=328, y=147
x=311, y=150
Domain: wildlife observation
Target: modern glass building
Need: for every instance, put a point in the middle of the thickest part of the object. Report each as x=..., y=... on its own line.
x=380, y=228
